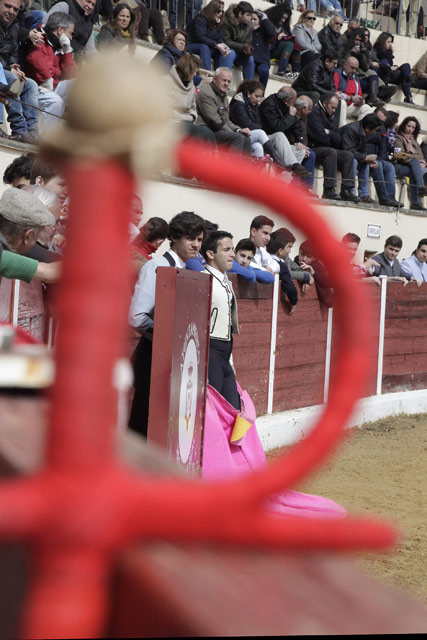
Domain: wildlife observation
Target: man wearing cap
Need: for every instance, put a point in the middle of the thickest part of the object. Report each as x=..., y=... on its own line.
x=22, y=218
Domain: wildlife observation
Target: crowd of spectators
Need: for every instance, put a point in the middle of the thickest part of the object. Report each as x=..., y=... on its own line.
x=337, y=80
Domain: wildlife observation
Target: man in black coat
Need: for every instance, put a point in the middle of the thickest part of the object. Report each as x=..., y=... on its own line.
x=330, y=36
x=353, y=138
x=23, y=119
x=317, y=76
x=325, y=138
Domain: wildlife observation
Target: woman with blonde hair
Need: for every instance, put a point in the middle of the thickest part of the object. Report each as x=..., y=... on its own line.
x=307, y=38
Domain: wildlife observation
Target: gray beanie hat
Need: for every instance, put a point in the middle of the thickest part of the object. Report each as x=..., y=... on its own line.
x=22, y=207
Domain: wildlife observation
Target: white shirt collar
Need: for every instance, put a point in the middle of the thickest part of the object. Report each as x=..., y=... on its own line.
x=178, y=261
x=218, y=274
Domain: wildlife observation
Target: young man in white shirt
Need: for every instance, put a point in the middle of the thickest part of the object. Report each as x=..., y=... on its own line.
x=260, y=231
x=219, y=254
x=185, y=234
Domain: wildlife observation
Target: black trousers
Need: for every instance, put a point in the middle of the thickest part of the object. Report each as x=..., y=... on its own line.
x=141, y=360
x=331, y=160
x=220, y=372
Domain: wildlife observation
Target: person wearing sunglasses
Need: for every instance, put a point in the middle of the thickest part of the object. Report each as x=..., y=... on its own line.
x=307, y=38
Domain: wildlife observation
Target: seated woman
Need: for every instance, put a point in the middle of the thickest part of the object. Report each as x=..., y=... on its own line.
x=307, y=38
x=182, y=92
x=173, y=48
x=416, y=265
x=419, y=73
x=410, y=161
x=284, y=48
x=119, y=31
x=244, y=112
x=356, y=46
x=389, y=72
x=262, y=34
x=206, y=36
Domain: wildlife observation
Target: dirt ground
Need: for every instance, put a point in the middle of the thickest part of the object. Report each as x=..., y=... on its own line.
x=381, y=469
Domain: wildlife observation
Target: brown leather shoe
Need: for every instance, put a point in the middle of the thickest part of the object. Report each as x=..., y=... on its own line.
x=367, y=200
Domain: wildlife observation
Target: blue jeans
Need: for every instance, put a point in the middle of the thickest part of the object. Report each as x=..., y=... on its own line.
x=206, y=55
x=362, y=172
x=246, y=62
x=384, y=180
x=413, y=171
x=309, y=163
x=328, y=5
x=263, y=73
x=23, y=118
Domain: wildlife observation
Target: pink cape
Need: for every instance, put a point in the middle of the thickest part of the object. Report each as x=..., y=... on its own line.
x=223, y=459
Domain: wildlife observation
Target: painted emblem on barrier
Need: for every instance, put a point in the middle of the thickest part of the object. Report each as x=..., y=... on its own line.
x=188, y=391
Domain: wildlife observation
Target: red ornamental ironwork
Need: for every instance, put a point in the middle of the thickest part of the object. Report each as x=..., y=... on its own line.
x=84, y=505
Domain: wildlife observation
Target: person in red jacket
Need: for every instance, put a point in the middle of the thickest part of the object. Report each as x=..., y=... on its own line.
x=51, y=64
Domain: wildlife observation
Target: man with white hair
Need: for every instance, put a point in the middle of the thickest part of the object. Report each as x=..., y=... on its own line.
x=213, y=109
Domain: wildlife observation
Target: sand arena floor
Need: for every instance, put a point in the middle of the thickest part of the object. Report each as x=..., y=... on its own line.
x=381, y=469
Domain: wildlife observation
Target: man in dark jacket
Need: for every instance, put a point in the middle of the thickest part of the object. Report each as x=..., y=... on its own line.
x=324, y=137
x=23, y=118
x=85, y=14
x=278, y=113
x=385, y=175
x=353, y=138
x=317, y=76
x=330, y=36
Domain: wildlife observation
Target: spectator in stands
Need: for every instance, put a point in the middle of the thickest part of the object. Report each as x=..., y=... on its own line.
x=238, y=37
x=185, y=233
x=298, y=136
x=182, y=93
x=306, y=37
x=390, y=123
x=278, y=113
x=388, y=263
x=262, y=34
x=206, y=36
x=416, y=265
x=389, y=72
x=244, y=112
x=260, y=231
x=244, y=255
x=350, y=90
x=369, y=80
x=17, y=173
x=419, y=73
x=318, y=76
x=52, y=204
x=23, y=118
x=85, y=16
x=325, y=138
x=384, y=175
x=218, y=252
x=279, y=248
x=385, y=92
x=354, y=23
x=284, y=47
x=153, y=233
x=213, y=109
x=172, y=50
x=119, y=31
x=411, y=160
x=353, y=138
x=51, y=64
x=330, y=36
